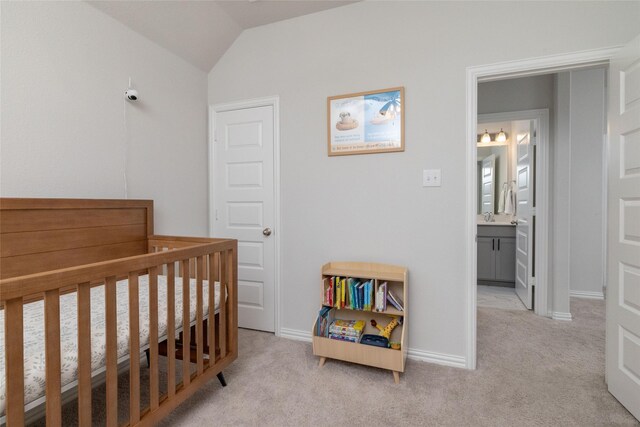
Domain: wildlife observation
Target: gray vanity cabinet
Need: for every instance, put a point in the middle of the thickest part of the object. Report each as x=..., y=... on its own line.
x=496, y=255
x=486, y=258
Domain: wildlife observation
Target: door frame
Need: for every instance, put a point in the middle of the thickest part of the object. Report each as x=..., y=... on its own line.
x=491, y=72
x=274, y=102
x=543, y=193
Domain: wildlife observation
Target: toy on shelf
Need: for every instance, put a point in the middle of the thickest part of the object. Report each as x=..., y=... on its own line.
x=386, y=331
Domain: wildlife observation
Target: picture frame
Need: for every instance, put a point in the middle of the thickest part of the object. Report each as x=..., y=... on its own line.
x=366, y=122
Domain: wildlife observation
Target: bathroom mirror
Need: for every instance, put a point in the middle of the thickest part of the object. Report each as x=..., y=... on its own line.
x=493, y=166
x=492, y=173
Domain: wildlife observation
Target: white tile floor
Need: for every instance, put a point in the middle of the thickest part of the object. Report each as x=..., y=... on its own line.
x=499, y=297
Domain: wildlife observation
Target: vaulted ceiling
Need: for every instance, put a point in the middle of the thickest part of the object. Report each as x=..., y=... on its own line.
x=201, y=31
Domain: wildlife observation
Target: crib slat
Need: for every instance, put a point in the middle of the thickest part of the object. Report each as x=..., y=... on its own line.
x=199, y=332
x=134, y=349
x=52, y=356
x=232, y=300
x=223, y=304
x=111, y=350
x=84, y=354
x=186, y=324
x=211, y=322
x=153, y=338
x=171, y=329
x=14, y=362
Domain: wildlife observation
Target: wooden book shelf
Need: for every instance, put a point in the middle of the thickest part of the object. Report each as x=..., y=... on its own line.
x=385, y=358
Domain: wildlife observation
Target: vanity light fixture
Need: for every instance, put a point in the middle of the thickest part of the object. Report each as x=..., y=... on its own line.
x=501, y=137
x=485, y=137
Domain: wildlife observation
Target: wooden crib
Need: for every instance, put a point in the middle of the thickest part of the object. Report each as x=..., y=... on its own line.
x=52, y=247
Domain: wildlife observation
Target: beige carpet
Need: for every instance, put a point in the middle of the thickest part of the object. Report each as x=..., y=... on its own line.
x=531, y=371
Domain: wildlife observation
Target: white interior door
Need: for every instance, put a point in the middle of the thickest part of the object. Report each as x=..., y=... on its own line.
x=488, y=183
x=244, y=207
x=623, y=281
x=523, y=133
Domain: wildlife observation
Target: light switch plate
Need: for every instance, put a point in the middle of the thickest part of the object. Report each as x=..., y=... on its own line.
x=431, y=178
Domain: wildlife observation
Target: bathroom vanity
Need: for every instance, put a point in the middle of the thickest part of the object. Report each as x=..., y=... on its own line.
x=496, y=254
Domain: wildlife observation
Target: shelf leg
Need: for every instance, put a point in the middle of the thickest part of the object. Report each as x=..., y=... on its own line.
x=396, y=377
x=322, y=360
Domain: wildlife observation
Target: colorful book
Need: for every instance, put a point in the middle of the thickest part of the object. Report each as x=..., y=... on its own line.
x=347, y=325
x=323, y=321
x=395, y=300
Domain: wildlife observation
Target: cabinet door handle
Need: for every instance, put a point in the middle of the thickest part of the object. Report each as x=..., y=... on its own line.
x=498, y=244
x=493, y=244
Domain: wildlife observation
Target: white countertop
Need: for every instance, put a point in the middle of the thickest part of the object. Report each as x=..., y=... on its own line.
x=498, y=219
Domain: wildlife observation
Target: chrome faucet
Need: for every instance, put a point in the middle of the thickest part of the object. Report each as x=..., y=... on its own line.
x=488, y=217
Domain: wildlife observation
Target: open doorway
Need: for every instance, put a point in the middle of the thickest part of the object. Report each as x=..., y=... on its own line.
x=513, y=159
x=622, y=178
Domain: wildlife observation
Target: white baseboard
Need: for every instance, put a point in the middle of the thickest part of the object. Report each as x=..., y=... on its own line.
x=295, y=334
x=437, y=358
x=557, y=315
x=413, y=353
x=586, y=294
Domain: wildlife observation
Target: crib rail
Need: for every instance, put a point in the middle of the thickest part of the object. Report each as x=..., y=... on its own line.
x=211, y=347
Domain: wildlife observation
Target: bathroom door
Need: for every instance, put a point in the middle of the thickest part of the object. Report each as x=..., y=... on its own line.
x=524, y=134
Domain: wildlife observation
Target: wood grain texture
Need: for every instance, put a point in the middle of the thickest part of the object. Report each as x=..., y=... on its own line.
x=186, y=328
x=38, y=242
x=171, y=330
x=35, y=263
x=15, y=221
x=52, y=357
x=84, y=354
x=14, y=362
x=222, y=337
x=199, y=316
x=154, y=390
x=111, y=351
x=71, y=232
x=41, y=282
x=211, y=324
x=134, y=349
x=232, y=300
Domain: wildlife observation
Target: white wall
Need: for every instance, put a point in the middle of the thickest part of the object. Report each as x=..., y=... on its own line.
x=65, y=66
x=373, y=207
x=587, y=109
x=561, y=195
x=525, y=93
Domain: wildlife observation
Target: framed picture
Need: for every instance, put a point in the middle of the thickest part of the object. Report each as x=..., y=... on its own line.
x=366, y=122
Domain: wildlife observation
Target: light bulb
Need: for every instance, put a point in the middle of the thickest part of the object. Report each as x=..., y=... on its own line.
x=502, y=137
x=485, y=137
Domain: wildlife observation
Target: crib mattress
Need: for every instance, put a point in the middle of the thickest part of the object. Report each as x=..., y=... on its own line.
x=34, y=333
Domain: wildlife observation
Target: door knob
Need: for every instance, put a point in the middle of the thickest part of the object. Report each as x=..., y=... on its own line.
x=266, y=231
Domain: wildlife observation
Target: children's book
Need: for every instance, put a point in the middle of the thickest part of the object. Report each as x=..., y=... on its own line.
x=361, y=295
x=395, y=300
x=352, y=297
x=381, y=297
x=366, y=295
x=347, y=327
x=323, y=321
x=343, y=290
